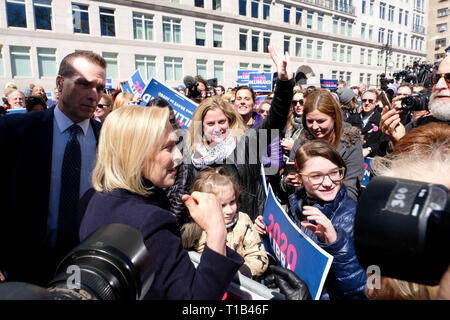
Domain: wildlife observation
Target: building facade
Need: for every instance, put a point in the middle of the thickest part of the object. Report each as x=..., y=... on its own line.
x=438, y=31
x=331, y=39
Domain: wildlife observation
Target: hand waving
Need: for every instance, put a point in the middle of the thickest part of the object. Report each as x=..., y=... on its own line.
x=282, y=63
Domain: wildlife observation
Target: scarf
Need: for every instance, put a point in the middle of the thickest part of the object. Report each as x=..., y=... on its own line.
x=203, y=156
x=297, y=122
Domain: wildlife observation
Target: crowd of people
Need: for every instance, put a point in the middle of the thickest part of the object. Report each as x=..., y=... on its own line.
x=90, y=157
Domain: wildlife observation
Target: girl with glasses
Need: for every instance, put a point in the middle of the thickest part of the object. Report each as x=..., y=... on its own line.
x=323, y=209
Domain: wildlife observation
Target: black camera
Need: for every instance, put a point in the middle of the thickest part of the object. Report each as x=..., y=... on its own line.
x=403, y=227
x=112, y=264
x=415, y=102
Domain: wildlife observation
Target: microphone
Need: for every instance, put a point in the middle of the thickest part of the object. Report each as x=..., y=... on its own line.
x=189, y=81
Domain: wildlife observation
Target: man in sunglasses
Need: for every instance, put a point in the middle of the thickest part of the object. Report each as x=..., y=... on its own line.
x=439, y=106
x=368, y=120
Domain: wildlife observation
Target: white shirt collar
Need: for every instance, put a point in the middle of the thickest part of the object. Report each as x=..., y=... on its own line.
x=64, y=122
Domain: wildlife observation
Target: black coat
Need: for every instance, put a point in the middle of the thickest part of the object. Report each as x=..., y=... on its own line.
x=26, y=142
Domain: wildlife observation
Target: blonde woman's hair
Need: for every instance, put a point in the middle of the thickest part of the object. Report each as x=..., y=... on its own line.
x=216, y=102
x=128, y=135
x=119, y=101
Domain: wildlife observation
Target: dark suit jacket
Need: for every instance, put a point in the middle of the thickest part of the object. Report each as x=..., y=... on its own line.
x=175, y=275
x=26, y=143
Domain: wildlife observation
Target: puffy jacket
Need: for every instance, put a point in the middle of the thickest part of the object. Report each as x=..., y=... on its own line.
x=346, y=278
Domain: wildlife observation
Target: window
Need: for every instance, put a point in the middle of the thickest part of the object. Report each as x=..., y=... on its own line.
x=80, y=16
x=320, y=22
x=349, y=28
x=243, y=39
x=349, y=78
x=400, y=13
x=171, y=30
x=107, y=25
x=287, y=13
x=362, y=55
x=42, y=14
x=218, y=71
x=142, y=26
x=379, y=59
x=46, y=62
x=342, y=27
x=341, y=75
x=287, y=43
x=319, y=49
x=199, y=3
x=112, y=65
x=371, y=7
x=217, y=36
x=201, y=68
x=243, y=7
x=200, y=33
x=335, y=25
x=390, y=36
x=363, y=30
x=266, y=42
x=334, y=74
x=370, y=32
x=404, y=40
x=243, y=66
x=369, y=57
x=342, y=53
x=267, y=68
x=255, y=8
x=2, y=70
x=406, y=18
x=334, y=54
x=363, y=7
x=217, y=5
x=442, y=27
x=442, y=12
x=399, y=39
x=391, y=14
x=266, y=10
x=369, y=79
x=256, y=66
x=173, y=69
x=309, y=48
x=309, y=20
x=298, y=16
x=381, y=35
x=349, y=54
x=361, y=77
x=298, y=47
x=146, y=66
x=15, y=12
x=255, y=41
x=20, y=61
x=382, y=10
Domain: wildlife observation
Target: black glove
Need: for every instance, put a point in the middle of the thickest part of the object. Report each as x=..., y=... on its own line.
x=289, y=283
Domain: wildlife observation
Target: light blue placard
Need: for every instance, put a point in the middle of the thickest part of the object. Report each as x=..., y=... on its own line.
x=135, y=84
x=260, y=81
x=242, y=76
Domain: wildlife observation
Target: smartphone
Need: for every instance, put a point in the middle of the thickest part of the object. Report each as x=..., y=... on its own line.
x=384, y=99
x=290, y=166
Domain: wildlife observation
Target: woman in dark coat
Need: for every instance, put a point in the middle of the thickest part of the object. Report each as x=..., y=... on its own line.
x=137, y=157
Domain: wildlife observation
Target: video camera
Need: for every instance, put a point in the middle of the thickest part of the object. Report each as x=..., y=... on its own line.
x=112, y=264
x=415, y=102
x=403, y=226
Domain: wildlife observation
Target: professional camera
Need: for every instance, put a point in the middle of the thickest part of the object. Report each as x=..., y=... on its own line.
x=415, y=102
x=403, y=227
x=112, y=264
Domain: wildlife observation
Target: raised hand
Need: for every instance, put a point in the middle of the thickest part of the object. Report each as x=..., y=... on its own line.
x=323, y=228
x=282, y=62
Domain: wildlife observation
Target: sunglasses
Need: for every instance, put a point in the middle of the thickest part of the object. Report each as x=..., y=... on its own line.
x=369, y=100
x=295, y=102
x=100, y=105
x=437, y=76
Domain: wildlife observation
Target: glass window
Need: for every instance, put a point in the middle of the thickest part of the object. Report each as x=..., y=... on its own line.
x=363, y=30
x=371, y=7
x=369, y=80
x=361, y=56
x=217, y=5
x=298, y=16
x=20, y=61
x=243, y=7
x=217, y=36
x=391, y=14
x=199, y=3
x=267, y=68
x=2, y=70
x=343, y=27
x=320, y=22
x=390, y=36
x=369, y=57
x=309, y=20
x=47, y=62
x=363, y=7
x=334, y=74
x=382, y=10
x=349, y=28
x=361, y=77
x=201, y=68
x=370, y=33
x=15, y=12
x=406, y=18
x=146, y=66
x=381, y=35
x=298, y=47
x=334, y=54
x=266, y=42
x=287, y=13
x=80, y=16
x=255, y=8
x=255, y=41
x=42, y=14
x=309, y=45
x=256, y=66
x=349, y=54
x=319, y=49
x=342, y=54
x=142, y=26
x=287, y=43
x=112, y=65
x=243, y=39
x=107, y=25
x=400, y=13
x=218, y=71
x=399, y=39
x=173, y=69
x=243, y=66
x=266, y=9
x=200, y=33
x=335, y=25
x=171, y=30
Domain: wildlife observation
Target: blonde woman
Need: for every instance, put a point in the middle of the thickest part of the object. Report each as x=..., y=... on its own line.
x=137, y=157
x=122, y=99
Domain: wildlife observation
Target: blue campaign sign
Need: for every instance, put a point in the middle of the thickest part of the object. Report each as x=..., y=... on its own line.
x=293, y=249
x=49, y=95
x=108, y=83
x=182, y=106
x=260, y=81
x=366, y=179
x=259, y=100
x=328, y=83
x=135, y=84
x=242, y=76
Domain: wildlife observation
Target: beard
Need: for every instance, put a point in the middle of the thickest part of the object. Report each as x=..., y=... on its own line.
x=439, y=109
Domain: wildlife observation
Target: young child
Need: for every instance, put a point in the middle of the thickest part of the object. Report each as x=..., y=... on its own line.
x=323, y=206
x=241, y=237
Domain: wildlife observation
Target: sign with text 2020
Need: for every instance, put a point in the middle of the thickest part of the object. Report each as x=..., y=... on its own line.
x=135, y=84
x=295, y=250
x=182, y=106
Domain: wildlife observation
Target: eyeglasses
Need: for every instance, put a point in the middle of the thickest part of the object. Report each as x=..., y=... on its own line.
x=295, y=102
x=369, y=100
x=100, y=105
x=318, y=177
x=437, y=76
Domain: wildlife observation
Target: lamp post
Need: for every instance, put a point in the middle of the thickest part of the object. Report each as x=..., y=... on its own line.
x=387, y=48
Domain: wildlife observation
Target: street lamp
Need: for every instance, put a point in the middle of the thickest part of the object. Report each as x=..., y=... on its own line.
x=388, y=49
